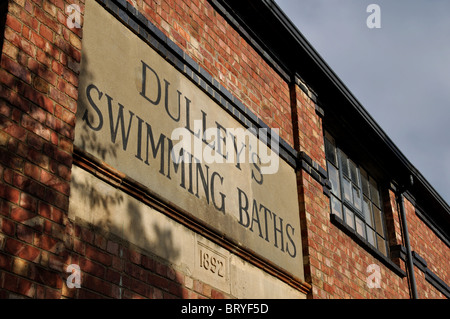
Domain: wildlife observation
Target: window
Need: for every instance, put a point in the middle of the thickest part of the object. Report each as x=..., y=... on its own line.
x=355, y=196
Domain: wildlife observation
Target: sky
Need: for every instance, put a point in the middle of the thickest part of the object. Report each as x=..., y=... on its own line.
x=399, y=72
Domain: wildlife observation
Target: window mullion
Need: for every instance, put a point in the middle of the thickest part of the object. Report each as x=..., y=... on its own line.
x=362, y=194
x=341, y=184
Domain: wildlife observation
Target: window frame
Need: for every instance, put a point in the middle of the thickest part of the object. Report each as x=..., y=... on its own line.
x=345, y=204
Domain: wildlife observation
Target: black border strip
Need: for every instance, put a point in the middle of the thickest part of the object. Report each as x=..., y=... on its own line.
x=430, y=276
x=148, y=32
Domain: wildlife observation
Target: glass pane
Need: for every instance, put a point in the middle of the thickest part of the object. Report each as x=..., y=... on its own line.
x=381, y=245
x=330, y=152
x=371, y=236
x=357, y=198
x=367, y=210
x=353, y=173
x=349, y=217
x=365, y=183
x=344, y=161
x=333, y=175
x=347, y=190
x=378, y=220
x=374, y=192
x=336, y=206
x=359, y=226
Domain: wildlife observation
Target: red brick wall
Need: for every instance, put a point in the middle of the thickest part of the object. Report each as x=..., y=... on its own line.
x=38, y=92
x=111, y=268
x=335, y=265
x=309, y=125
x=38, y=99
x=426, y=243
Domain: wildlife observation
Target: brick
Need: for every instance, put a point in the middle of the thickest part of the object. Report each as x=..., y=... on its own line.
x=215, y=294
x=57, y=67
x=10, y=50
x=49, y=8
x=65, y=144
x=48, y=243
x=52, y=293
x=87, y=235
x=58, y=216
x=5, y=208
x=35, y=127
x=60, y=170
x=91, y=267
x=35, y=141
x=56, y=198
x=46, y=19
x=13, y=23
x=158, y=281
x=49, y=278
x=161, y=269
x=13, y=37
x=16, y=69
x=25, y=233
x=52, y=51
x=5, y=262
x=112, y=247
x=9, y=80
x=79, y=246
x=148, y=263
x=113, y=276
x=29, y=20
x=46, y=32
x=37, y=158
x=134, y=256
x=135, y=271
x=54, y=182
x=98, y=255
x=9, y=193
x=12, y=129
x=32, y=187
x=20, y=267
x=141, y=288
x=71, y=293
x=86, y=294
x=37, y=40
x=10, y=282
x=22, y=250
x=75, y=41
x=97, y=285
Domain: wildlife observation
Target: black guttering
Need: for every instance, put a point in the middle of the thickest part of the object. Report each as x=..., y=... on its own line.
x=288, y=48
x=409, y=258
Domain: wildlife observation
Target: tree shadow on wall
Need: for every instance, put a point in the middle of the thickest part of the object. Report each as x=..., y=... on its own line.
x=125, y=218
x=118, y=214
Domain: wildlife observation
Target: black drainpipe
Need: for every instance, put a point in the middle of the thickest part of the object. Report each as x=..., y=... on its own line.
x=409, y=258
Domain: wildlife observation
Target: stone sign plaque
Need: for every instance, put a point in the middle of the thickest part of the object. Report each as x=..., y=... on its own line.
x=140, y=115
